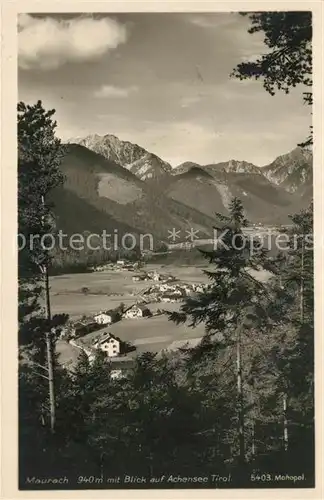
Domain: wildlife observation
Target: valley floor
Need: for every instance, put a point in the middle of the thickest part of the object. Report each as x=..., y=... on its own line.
x=106, y=290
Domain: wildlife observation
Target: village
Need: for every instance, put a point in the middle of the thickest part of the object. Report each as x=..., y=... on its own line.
x=94, y=332
x=119, y=265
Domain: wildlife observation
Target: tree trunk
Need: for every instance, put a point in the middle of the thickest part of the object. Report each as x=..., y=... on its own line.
x=240, y=397
x=253, y=439
x=285, y=430
x=301, y=291
x=50, y=379
x=49, y=345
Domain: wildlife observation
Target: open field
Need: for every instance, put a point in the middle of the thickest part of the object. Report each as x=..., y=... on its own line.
x=147, y=334
x=107, y=289
x=67, y=296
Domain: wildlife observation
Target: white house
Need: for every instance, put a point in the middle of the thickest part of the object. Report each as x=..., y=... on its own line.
x=137, y=312
x=109, y=344
x=169, y=298
x=103, y=318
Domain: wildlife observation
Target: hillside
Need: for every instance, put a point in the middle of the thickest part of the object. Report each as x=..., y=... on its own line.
x=98, y=193
x=231, y=166
x=143, y=164
x=269, y=194
x=198, y=189
x=184, y=167
x=212, y=187
x=75, y=214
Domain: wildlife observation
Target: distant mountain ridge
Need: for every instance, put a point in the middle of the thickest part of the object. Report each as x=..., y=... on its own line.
x=121, y=175
x=142, y=163
x=289, y=171
x=231, y=166
x=211, y=190
x=235, y=167
x=269, y=194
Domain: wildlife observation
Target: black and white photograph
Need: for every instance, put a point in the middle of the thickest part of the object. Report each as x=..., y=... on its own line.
x=165, y=250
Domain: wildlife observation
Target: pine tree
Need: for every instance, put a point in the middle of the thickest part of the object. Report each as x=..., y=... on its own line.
x=288, y=360
x=234, y=303
x=296, y=364
x=39, y=156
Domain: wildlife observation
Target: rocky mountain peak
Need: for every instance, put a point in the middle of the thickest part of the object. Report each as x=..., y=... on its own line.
x=241, y=167
x=143, y=164
x=291, y=170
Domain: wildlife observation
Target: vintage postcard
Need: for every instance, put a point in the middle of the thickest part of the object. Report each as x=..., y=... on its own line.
x=164, y=174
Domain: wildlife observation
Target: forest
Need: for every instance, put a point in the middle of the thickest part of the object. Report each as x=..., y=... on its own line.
x=242, y=401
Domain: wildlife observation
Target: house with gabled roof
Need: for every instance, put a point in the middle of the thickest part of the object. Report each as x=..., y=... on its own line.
x=103, y=318
x=108, y=344
x=137, y=311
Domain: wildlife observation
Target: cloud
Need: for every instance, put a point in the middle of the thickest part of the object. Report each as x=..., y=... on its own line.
x=109, y=91
x=24, y=20
x=212, y=20
x=48, y=42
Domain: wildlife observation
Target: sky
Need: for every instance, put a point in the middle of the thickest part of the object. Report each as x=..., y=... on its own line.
x=158, y=80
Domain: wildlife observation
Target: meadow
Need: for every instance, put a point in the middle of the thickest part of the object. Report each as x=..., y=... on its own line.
x=107, y=289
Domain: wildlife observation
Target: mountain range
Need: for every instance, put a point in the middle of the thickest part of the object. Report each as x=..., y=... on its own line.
x=115, y=184
x=100, y=194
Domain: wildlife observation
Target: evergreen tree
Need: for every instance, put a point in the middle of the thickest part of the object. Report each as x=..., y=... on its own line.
x=233, y=291
x=39, y=156
x=295, y=365
x=233, y=307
